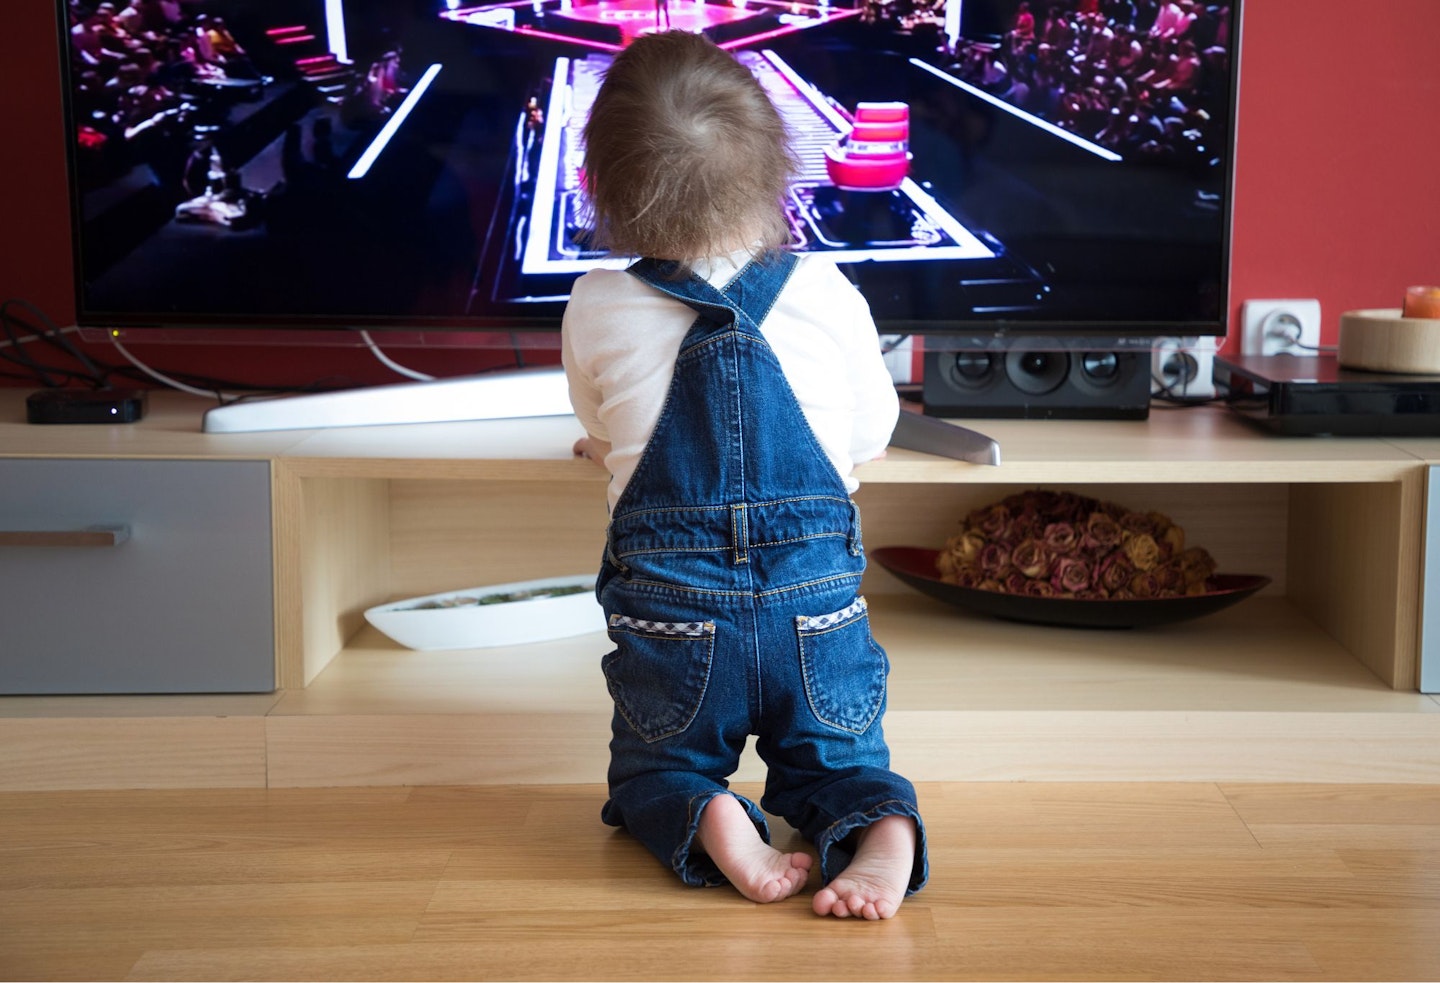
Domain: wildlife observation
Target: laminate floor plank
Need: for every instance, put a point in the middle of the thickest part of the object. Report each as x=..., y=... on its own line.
x=1030, y=881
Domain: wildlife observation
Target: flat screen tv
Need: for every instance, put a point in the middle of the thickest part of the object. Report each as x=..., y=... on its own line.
x=981, y=169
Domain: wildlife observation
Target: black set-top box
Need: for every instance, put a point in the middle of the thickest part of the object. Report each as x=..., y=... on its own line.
x=85, y=406
x=1314, y=394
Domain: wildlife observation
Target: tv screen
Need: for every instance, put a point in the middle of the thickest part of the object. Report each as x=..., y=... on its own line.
x=975, y=166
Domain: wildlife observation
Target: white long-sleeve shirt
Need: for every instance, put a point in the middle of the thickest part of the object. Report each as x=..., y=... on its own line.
x=620, y=339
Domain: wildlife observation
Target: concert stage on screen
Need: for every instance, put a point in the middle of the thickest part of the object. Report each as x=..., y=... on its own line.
x=611, y=24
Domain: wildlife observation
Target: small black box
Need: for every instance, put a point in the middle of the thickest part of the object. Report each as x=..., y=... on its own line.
x=85, y=406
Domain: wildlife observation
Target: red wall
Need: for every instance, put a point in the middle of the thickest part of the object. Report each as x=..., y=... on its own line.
x=1337, y=194
x=1337, y=190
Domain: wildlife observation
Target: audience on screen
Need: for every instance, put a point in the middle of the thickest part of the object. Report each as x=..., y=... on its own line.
x=154, y=78
x=151, y=76
x=1136, y=76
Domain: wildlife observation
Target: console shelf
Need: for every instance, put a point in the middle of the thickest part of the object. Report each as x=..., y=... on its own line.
x=1314, y=679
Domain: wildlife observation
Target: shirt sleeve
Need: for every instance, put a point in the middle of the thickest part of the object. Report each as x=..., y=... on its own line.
x=876, y=403
x=585, y=395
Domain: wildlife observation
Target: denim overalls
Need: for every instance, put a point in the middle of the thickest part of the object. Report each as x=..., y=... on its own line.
x=729, y=584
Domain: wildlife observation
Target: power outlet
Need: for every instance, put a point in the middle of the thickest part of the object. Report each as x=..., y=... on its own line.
x=1280, y=327
x=899, y=353
x=1184, y=368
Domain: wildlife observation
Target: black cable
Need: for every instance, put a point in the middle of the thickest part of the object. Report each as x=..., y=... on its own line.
x=17, y=353
x=98, y=373
x=516, y=351
x=898, y=340
x=1183, y=402
x=51, y=334
x=1165, y=393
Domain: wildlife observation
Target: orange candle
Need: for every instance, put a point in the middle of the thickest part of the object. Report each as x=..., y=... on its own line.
x=1422, y=302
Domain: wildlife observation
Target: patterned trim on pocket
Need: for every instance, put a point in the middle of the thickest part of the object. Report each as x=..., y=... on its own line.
x=692, y=629
x=805, y=622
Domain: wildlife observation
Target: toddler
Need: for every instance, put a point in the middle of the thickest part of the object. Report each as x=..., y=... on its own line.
x=730, y=387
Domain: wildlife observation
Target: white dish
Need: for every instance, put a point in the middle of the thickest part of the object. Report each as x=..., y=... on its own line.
x=456, y=620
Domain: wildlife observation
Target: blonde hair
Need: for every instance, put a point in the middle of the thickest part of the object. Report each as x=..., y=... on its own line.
x=685, y=155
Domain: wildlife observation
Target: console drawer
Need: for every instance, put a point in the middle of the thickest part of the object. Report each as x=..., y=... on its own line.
x=136, y=576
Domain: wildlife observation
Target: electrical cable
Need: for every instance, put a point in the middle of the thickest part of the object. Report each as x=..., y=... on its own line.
x=35, y=369
x=1173, y=402
x=1165, y=392
x=167, y=380
x=98, y=373
x=19, y=355
x=390, y=363
x=54, y=336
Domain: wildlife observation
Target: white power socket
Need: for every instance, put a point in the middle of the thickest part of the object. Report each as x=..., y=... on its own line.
x=1184, y=367
x=899, y=351
x=1280, y=327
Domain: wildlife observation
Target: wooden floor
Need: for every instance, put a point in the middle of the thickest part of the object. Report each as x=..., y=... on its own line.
x=1038, y=881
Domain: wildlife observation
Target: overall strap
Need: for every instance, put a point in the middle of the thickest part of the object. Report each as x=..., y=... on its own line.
x=745, y=301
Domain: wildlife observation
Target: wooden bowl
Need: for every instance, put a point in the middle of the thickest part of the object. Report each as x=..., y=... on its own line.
x=1384, y=341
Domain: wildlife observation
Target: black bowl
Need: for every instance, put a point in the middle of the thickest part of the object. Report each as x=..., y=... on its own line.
x=915, y=566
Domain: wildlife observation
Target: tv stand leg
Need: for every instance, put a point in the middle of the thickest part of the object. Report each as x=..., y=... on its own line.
x=916, y=432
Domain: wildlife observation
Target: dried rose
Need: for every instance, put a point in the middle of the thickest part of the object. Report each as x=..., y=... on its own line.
x=961, y=549
x=947, y=564
x=1040, y=588
x=1072, y=574
x=970, y=544
x=963, y=577
x=1114, y=510
x=1143, y=585
x=1027, y=523
x=1102, y=532
x=1136, y=523
x=991, y=521
x=1142, y=550
x=1030, y=558
x=994, y=560
x=1173, y=539
x=1169, y=577
x=1196, y=565
x=1075, y=508
x=1115, y=573
x=1061, y=537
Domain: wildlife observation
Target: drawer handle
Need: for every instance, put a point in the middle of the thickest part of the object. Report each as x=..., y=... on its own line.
x=94, y=536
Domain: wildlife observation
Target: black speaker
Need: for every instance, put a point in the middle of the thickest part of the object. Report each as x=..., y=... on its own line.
x=1029, y=383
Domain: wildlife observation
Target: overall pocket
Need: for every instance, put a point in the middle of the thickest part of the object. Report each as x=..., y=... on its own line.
x=658, y=673
x=843, y=668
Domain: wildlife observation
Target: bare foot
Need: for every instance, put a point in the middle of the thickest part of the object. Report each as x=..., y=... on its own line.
x=874, y=884
x=758, y=870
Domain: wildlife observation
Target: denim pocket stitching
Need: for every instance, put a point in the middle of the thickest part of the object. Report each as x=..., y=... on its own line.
x=688, y=692
x=840, y=713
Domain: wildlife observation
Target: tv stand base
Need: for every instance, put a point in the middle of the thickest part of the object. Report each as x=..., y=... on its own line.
x=500, y=395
